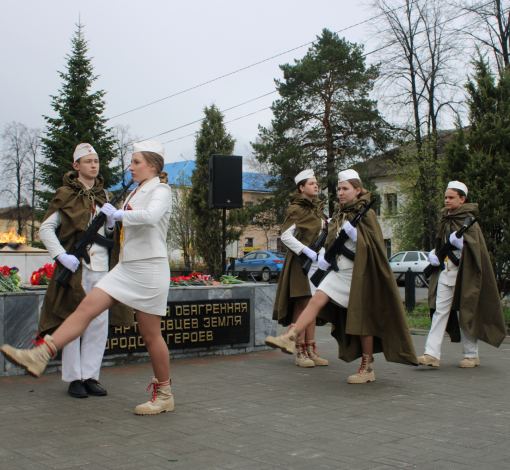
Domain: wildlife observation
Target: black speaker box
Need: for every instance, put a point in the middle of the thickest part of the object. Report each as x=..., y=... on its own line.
x=225, y=181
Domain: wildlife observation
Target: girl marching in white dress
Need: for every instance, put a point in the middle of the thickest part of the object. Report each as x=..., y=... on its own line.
x=361, y=299
x=140, y=280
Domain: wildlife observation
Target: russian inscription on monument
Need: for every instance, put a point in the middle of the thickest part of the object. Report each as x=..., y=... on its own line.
x=194, y=324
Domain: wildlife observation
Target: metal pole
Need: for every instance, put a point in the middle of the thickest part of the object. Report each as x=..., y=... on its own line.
x=224, y=252
x=410, y=293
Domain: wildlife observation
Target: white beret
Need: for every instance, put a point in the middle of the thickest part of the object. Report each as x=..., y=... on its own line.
x=458, y=185
x=304, y=175
x=149, y=146
x=82, y=150
x=348, y=175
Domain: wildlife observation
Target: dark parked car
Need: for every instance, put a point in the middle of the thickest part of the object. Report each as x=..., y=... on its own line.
x=264, y=262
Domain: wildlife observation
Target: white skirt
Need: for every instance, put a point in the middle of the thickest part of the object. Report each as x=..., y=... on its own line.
x=313, y=268
x=142, y=284
x=337, y=286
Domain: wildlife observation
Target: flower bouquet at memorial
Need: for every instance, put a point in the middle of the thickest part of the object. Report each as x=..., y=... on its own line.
x=231, y=280
x=42, y=276
x=194, y=279
x=9, y=279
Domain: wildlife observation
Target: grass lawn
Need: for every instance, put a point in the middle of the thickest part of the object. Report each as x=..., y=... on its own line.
x=419, y=317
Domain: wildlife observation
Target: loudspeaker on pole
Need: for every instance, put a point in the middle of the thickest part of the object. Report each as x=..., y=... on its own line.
x=225, y=181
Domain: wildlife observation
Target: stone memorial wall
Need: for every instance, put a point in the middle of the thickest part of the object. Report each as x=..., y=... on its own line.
x=216, y=320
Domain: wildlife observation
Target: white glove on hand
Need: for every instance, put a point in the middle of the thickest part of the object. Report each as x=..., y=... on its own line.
x=109, y=210
x=352, y=232
x=329, y=220
x=323, y=264
x=118, y=215
x=434, y=260
x=310, y=253
x=70, y=262
x=457, y=242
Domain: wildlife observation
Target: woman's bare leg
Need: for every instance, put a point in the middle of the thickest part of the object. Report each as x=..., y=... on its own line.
x=367, y=344
x=90, y=307
x=150, y=329
x=318, y=301
x=298, y=310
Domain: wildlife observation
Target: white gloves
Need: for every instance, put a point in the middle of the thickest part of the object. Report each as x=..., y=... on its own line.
x=352, y=232
x=323, y=264
x=310, y=253
x=434, y=260
x=329, y=220
x=109, y=211
x=70, y=262
x=457, y=242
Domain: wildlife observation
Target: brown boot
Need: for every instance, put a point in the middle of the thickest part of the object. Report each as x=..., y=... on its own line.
x=365, y=373
x=286, y=342
x=162, y=399
x=302, y=359
x=33, y=360
x=311, y=349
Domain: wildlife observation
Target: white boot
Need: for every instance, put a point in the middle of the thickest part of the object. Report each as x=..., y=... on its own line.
x=162, y=399
x=286, y=342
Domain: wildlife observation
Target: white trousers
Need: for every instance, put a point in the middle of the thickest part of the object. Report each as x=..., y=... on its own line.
x=444, y=299
x=82, y=358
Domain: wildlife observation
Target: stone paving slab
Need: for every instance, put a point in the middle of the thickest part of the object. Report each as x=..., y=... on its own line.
x=260, y=412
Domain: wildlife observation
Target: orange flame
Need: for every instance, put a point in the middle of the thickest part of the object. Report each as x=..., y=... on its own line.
x=11, y=237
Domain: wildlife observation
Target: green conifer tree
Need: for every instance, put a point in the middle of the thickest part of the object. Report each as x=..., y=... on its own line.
x=79, y=120
x=212, y=138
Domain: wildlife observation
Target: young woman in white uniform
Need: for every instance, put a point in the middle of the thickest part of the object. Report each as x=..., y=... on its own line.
x=140, y=280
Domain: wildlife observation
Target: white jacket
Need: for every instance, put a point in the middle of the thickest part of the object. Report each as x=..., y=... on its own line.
x=146, y=226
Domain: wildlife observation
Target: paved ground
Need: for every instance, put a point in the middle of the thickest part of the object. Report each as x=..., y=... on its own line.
x=259, y=411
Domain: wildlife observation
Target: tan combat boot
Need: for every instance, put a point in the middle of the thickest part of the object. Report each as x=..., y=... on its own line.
x=311, y=349
x=469, y=362
x=302, y=359
x=365, y=373
x=428, y=360
x=286, y=342
x=162, y=399
x=33, y=360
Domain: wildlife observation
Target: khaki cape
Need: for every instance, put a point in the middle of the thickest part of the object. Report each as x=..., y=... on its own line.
x=476, y=295
x=375, y=306
x=74, y=204
x=293, y=284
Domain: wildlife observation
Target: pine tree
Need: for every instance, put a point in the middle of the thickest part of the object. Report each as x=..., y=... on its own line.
x=79, y=120
x=484, y=166
x=324, y=118
x=212, y=138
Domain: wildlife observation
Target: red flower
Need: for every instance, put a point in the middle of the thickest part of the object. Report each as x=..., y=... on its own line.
x=35, y=278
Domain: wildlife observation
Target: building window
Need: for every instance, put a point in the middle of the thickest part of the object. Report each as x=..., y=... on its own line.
x=248, y=204
x=280, y=246
x=387, y=244
x=249, y=242
x=391, y=204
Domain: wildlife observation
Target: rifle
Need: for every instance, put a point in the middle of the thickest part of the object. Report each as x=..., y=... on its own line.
x=447, y=248
x=317, y=246
x=91, y=236
x=338, y=245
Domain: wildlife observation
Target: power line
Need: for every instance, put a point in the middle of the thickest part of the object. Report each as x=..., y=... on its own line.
x=274, y=91
x=248, y=66
x=227, y=122
x=223, y=111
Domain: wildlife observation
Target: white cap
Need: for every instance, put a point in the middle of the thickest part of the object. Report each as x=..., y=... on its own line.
x=149, y=146
x=458, y=185
x=304, y=175
x=82, y=150
x=348, y=175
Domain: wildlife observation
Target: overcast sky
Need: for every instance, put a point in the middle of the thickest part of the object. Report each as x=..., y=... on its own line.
x=145, y=51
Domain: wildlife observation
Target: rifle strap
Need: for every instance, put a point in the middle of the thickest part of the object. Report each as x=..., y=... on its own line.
x=347, y=253
x=453, y=258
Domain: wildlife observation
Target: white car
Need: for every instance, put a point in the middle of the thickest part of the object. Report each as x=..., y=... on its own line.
x=402, y=261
